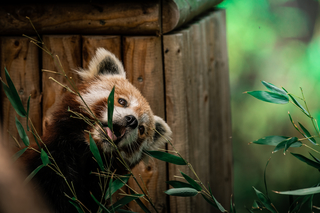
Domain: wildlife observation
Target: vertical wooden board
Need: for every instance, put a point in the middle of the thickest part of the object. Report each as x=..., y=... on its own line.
x=91, y=43
x=21, y=58
x=68, y=49
x=175, y=54
x=143, y=64
x=220, y=113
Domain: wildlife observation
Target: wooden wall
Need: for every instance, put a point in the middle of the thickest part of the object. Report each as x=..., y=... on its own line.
x=183, y=75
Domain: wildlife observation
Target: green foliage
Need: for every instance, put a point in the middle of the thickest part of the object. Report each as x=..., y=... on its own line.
x=110, y=109
x=167, y=157
x=182, y=192
x=95, y=151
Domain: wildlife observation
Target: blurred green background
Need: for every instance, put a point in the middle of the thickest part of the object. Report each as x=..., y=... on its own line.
x=277, y=41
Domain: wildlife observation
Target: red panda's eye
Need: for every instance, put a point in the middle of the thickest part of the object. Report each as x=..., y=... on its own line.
x=122, y=102
x=141, y=129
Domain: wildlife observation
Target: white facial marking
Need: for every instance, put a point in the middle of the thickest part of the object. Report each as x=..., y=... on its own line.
x=133, y=102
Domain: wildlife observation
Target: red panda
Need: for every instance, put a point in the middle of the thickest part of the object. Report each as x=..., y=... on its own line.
x=67, y=138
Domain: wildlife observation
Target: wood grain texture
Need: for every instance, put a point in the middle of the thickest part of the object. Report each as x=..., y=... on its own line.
x=106, y=17
x=91, y=43
x=68, y=49
x=175, y=60
x=221, y=144
x=20, y=57
x=143, y=64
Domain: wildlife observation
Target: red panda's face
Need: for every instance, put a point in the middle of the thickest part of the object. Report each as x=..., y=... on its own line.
x=135, y=128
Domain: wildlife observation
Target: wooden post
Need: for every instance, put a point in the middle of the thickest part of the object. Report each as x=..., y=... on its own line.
x=20, y=57
x=67, y=48
x=143, y=63
x=175, y=60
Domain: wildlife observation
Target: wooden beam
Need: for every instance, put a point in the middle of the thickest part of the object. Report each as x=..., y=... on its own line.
x=21, y=58
x=86, y=17
x=143, y=64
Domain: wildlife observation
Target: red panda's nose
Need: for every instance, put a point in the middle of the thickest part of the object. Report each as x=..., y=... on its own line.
x=131, y=121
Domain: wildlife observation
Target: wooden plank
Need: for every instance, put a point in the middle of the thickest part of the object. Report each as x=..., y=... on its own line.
x=175, y=59
x=67, y=48
x=220, y=113
x=143, y=63
x=91, y=43
x=20, y=57
x=107, y=17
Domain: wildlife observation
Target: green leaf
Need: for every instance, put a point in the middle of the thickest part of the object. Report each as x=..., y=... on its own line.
x=290, y=142
x=19, y=153
x=76, y=205
x=316, y=159
x=265, y=201
x=95, y=151
x=167, y=157
x=257, y=205
x=33, y=173
x=307, y=160
x=117, y=184
x=209, y=201
x=307, y=134
x=22, y=133
x=100, y=204
x=110, y=109
x=124, y=201
x=249, y=210
x=270, y=140
x=294, y=125
x=220, y=207
x=28, y=108
x=35, y=138
x=270, y=97
x=182, y=192
x=306, y=191
x=192, y=182
x=232, y=206
x=44, y=158
x=178, y=184
x=299, y=105
x=13, y=95
x=300, y=202
x=138, y=201
x=275, y=89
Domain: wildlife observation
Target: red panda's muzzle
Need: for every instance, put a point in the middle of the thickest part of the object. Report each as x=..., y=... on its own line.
x=117, y=134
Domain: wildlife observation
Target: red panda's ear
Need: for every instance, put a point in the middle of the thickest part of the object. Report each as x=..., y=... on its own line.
x=163, y=132
x=103, y=63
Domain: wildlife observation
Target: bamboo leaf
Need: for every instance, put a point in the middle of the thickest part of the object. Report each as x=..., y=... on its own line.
x=232, y=206
x=275, y=89
x=33, y=173
x=19, y=153
x=95, y=151
x=307, y=134
x=316, y=159
x=265, y=201
x=178, y=184
x=115, y=185
x=76, y=205
x=307, y=160
x=306, y=191
x=167, y=157
x=220, y=207
x=270, y=97
x=290, y=142
x=139, y=202
x=124, y=201
x=273, y=140
x=182, y=192
x=192, y=182
x=294, y=125
x=13, y=95
x=210, y=201
x=298, y=105
x=100, y=204
x=44, y=158
x=35, y=138
x=22, y=133
x=110, y=109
